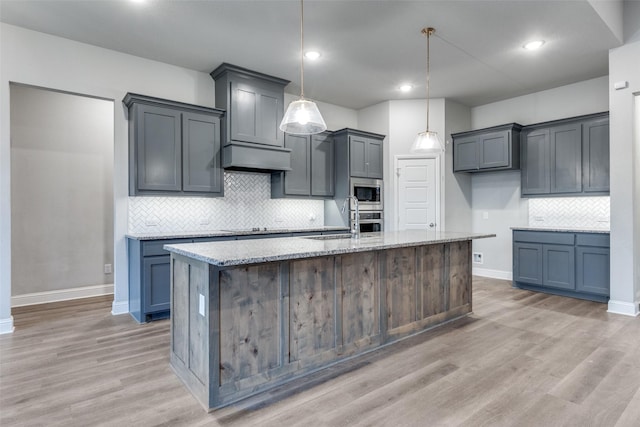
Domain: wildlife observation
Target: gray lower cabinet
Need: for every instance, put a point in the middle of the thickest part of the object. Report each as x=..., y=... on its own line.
x=569, y=264
x=174, y=148
x=150, y=276
x=566, y=157
x=312, y=171
x=485, y=150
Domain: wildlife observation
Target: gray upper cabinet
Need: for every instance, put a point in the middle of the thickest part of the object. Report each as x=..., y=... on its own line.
x=365, y=155
x=157, y=148
x=595, y=155
x=252, y=139
x=201, y=171
x=323, y=173
x=312, y=171
x=535, y=167
x=174, y=148
x=486, y=150
x=566, y=157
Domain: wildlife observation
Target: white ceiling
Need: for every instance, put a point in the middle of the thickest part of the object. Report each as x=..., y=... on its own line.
x=369, y=47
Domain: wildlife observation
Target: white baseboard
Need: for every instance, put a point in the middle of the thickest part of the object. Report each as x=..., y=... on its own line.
x=61, y=295
x=621, y=307
x=6, y=325
x=494, y=274
x=120, y=307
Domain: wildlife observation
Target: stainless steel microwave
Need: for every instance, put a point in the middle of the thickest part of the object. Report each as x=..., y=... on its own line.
x=369, y=193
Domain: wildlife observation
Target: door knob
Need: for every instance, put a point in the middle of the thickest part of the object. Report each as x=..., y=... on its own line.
x=432, y=225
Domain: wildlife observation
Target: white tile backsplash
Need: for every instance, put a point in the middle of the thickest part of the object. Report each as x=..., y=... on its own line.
x=246, y=203
x=588, y=212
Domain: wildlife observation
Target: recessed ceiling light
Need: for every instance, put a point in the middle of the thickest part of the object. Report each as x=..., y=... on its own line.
x=533, y=45
x=312, y=55
x=406, y=88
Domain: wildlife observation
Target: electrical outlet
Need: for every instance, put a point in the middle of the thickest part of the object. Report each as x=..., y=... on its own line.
x=278, y=219
x=151, y=222
x=201, y=305
x=107, y=269
x=485, y=215
x=477, y=257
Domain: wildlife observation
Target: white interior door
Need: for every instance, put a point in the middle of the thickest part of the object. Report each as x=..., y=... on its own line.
x=418, y=193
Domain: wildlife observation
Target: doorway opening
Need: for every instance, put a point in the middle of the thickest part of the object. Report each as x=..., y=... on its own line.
x=62, y=216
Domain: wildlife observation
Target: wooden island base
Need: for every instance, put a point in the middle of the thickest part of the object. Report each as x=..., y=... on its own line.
x=237, y=331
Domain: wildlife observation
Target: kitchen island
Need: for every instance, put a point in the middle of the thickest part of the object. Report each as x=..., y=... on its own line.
x=249, y=315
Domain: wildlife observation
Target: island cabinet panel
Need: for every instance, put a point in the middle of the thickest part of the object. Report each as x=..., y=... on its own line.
x=433, y=286
x=240, y=330
x=249, y=322
x=459, y=274
x=360, y=313
x=399, y=273
x=313, y=308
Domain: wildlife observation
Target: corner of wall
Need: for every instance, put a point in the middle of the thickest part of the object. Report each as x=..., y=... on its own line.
x=6, y=325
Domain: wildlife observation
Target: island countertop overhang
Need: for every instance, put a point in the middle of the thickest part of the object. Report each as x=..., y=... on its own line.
x=239, y=252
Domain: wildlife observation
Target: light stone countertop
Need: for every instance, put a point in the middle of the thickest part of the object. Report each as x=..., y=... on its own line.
x=564, y=229
x=231, y=232
x=239, y=252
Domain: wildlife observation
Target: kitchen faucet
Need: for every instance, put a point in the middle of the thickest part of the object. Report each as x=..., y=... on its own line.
x=355, y=226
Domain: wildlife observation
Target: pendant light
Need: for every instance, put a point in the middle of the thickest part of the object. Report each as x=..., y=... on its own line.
x=427, y=141
x=302, y=116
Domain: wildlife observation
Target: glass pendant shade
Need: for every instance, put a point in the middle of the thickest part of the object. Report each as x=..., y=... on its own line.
x=303, y=118
x=427, y=142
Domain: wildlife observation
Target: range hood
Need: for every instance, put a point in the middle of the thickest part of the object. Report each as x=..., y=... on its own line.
x=256, y=158
x=254, y=104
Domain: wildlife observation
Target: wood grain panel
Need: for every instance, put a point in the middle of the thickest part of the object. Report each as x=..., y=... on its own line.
x=359, y=296
x=400, y=279
x=431, y=280
x=312, y=307
x=249, y=321
x=180, y=310
x=459, y=273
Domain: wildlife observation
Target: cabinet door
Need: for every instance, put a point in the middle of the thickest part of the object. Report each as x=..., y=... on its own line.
x=535, y=162
x=322, y=166
x=527, y=263
x=358, y=156
x=566, y=158
x=595, y=155
x=256, y=113
x=593, y=270
x=297, y=181
x=156, y=284
x=465, y=154
x=158, y=147
x=494, y=150
x=201, y=168
x=374, y=159
x=559, y=269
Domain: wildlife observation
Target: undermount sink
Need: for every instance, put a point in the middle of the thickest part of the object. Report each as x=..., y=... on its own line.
x=335, y=236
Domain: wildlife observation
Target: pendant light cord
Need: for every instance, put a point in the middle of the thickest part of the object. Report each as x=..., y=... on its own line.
x=427, y=32
x=301, y=49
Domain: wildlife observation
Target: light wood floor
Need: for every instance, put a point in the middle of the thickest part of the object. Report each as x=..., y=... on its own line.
x=521, y=359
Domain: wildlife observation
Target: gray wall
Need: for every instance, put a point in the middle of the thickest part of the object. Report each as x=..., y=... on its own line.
x=61, y=190
x=457, y=187
x=498, y=194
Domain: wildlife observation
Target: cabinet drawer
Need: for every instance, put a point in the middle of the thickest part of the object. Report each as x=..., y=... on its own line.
x=592, y=239
x=551, y=237
x=154, y=247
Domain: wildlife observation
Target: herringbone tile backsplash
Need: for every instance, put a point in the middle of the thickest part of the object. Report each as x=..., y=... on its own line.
x=246, y=203
x=588, y=212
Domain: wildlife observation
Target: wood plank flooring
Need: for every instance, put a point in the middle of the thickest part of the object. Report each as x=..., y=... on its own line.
x=521, y=359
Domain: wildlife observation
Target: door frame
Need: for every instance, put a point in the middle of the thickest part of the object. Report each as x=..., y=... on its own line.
x=440, y=168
